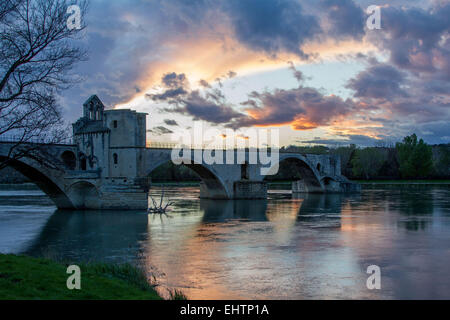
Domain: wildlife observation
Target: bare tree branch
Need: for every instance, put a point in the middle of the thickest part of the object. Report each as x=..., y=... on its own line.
x=37, y=53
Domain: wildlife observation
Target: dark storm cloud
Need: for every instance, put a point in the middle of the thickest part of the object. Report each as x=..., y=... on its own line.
x=204, y=83
x=160, y=130
x=421, y=109
x=231, y=74
x=201, y=108
x=173, y=80
x=297, y=74
x=124, y=38
x=174, y=85
x=170, y=122
x=167, y=94
x=303, y=107
x=435, y=132
x=272, y=26
x=208, y=104
x=117, y=50
x=436, y=86
x=414, y=37
x=347, y=19
x=414, y=84
x=379, y=81
x=359, y=140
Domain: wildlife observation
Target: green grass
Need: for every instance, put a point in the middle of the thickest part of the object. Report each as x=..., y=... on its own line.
x=23, y=277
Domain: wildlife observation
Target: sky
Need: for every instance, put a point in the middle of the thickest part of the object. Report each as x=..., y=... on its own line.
x=310, y=68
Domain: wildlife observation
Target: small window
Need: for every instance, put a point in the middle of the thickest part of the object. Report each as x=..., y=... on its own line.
x=115, y=158
x=318, y=167
x=115, y=123
x=244, y=171
x=83, y=163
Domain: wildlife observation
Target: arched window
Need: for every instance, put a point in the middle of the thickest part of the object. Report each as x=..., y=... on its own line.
x=318, y=167
x=115, y=158
x=115, y=123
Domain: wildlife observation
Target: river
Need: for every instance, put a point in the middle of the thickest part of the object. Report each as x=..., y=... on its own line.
x=306, y=247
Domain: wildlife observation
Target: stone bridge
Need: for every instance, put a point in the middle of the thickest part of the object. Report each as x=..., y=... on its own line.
x=320, y=173
x=108, y=165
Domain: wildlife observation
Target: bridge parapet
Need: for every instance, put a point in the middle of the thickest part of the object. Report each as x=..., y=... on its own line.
x=82, y=174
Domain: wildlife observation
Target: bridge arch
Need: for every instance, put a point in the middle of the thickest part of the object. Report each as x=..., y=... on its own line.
x=84, y=195
x=42, y=180
x=212, y=184
x=309, y=173
x=330, y=184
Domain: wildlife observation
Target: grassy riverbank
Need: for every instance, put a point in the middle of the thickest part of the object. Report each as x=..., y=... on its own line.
x=23, y=277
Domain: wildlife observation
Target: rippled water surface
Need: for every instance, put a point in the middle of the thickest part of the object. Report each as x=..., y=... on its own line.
x=314, y=246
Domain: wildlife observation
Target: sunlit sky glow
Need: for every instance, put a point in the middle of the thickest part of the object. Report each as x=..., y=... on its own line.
x=310, y=68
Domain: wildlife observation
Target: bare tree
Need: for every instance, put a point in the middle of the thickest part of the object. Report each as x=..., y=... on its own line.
x=158, y=208
x=37, y=53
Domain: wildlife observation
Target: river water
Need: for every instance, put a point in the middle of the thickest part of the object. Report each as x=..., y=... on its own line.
x=308, y=247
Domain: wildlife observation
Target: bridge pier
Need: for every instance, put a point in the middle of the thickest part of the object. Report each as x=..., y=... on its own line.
x=211, y=190
x=338, y=185
x=302, y=186
x=124, y=197
x=247, y=189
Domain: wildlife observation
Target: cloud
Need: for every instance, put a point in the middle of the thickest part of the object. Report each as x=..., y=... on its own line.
x=204, y=83
x=345, y=19
x=231, y=74
x=303, y=108
x=272, y=26
x=412, y=88
x=209, y=104
x=359, y=140
x=415, y=38
x=134, y=43
x=379, y=81
x=160, y=130
x=167, y=94
x=297, y=74
x=174, y=85
x=173, y=80
x=201, y=108
x=170, y=122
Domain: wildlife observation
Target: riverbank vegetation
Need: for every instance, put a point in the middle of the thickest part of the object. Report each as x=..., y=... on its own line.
x=24, y=277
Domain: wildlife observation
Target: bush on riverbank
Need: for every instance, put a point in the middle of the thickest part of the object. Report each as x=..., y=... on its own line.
x=23, y=277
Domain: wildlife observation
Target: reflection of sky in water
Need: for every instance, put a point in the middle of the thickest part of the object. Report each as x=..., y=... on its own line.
x=313, y=246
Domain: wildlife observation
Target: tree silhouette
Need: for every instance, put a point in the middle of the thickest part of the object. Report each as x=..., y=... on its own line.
x=415, y=157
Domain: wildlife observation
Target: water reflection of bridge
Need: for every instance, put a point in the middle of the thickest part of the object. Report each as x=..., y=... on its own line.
x=94, y=235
